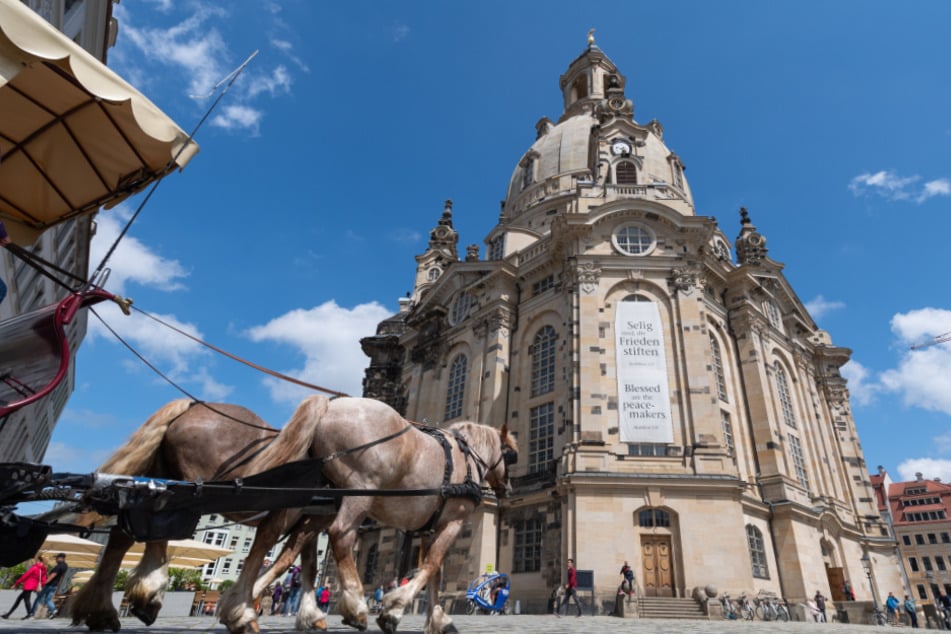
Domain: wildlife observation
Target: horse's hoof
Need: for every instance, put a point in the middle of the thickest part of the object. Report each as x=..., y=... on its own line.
x=387, y=623
x=320, y=624
x=102, y=623
x=147, y=615
x=450, y=629
x=359, y=623
x=254, y=626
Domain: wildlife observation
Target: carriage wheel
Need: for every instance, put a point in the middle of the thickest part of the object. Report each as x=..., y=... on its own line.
x=471, y=607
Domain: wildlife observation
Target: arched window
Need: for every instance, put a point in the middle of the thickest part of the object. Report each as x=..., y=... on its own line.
x=457, y=387
x=543, y=361
x=785, y=400
x=625, y=173
x=757, y=552
x=460, y=308
x=434, y=273
x=718, y=369
x=653, y=518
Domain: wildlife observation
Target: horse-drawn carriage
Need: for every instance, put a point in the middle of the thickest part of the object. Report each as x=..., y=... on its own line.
x=193, y=458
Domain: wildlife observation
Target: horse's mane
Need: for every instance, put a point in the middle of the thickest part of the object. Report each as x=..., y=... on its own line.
x=483, y=436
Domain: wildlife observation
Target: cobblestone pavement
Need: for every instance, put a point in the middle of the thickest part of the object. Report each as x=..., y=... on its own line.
x=413, y=624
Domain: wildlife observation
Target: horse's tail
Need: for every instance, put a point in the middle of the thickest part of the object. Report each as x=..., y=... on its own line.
x=138, y=455
x=296, y=437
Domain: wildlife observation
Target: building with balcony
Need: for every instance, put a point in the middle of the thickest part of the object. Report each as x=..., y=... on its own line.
x=675, y=404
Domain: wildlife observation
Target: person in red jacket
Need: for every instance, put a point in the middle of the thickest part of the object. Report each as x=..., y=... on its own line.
x=32, y=579
x=570, y=590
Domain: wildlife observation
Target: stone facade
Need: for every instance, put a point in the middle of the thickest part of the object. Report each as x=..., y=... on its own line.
x=676, y=406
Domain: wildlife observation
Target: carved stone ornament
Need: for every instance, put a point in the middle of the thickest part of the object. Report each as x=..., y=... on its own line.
x=686, y=278
x=501, y=321
x=588, y=275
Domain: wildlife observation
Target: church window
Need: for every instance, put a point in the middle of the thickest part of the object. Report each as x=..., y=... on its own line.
x=646, y=449
x=434, y=273
x=543, y=361
x=633, y=239
x=497, y=248
x=579, y=89
x=785, y=398
x=718, y=369
x=528, y=172
x=913, y=564
x=543, y=284
x=528, y=545
x=772, y=313
x=457, y=387
x=625, y=173
x=653, y=518
x=757, y=552
x=541, y=437
x=460, y=308
x=799, y=460
x=678, y=170
x=727, y=432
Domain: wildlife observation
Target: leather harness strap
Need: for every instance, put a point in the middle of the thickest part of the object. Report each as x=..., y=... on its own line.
x=468, y=488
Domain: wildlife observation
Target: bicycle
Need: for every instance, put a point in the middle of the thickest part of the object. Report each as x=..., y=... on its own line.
x=746, y=607
x=729, y=607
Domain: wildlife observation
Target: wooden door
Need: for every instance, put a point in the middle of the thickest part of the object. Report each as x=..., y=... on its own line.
x=836, y=581
x=656, y=573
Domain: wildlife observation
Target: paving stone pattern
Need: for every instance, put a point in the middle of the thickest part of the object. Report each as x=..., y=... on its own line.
x=413, y=624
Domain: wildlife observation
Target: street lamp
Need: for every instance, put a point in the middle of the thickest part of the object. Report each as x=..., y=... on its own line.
x=867, y=566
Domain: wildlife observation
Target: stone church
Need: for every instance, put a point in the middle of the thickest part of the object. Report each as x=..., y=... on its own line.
x=675, y=405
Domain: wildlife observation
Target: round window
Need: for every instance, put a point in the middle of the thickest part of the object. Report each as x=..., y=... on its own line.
x=634, y=240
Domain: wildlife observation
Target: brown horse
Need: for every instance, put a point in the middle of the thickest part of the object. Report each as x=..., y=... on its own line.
x=186, y=440
x=365, y=444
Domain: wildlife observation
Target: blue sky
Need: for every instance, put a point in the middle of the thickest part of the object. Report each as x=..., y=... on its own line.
x=293, y=232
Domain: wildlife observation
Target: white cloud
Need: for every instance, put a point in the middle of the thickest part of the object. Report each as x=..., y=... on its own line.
x=929, y=468
x=820, y=306
x=238, y=118
x=74, y=460
x=279, y=81
x=189, y=45
x=861, y=390
x=328, y=337
x=923, y=376
x=939, y=187
x=131, y=262
x=887, y=184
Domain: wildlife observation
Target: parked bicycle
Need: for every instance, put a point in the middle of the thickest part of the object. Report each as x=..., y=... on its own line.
x=729, y=606
x=746, y=609
x=769, y=607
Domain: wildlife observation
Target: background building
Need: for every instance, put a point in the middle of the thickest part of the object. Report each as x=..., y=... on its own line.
x=25, y=434
x=919, y=513
x=675, y=404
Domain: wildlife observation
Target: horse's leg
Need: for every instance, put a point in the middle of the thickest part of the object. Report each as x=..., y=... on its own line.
x=93, y=602
x=398, y=600
x=236, y=607
x=146, y=585
x=435, y=616
x=309, y=616
x=343, y=535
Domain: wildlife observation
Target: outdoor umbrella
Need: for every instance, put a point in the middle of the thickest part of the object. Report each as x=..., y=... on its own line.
x=80, y=553
x=74, y=136
x=182, y=553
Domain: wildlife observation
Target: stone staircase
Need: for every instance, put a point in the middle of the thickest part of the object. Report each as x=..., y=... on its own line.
x=669, y=608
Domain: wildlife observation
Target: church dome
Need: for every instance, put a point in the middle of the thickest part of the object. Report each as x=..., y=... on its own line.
x=597, y=143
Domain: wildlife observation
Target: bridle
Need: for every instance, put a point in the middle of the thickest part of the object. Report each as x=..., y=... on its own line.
x=508, y=456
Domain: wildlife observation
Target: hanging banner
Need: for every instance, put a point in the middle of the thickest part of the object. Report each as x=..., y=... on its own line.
x=643, y=393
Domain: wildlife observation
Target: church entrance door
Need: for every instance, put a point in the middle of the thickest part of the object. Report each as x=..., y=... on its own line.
x=656, y=557
x=836, y=581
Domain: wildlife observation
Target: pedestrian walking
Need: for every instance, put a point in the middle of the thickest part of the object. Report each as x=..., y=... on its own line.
x=323, y=601
x=570, y=590
x=848, y=591
x=276, y=598
x=378, y=598
x=912, y=610
x=45, y=596
x=821, y=607
x=33, y=578
x=293, y=584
